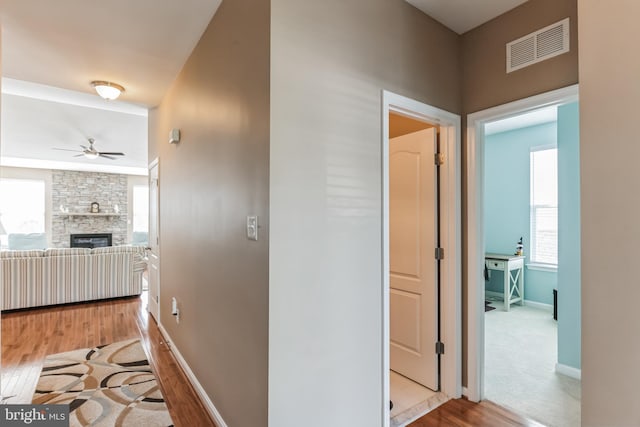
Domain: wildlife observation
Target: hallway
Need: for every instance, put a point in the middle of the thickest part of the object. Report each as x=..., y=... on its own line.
x=28, y=336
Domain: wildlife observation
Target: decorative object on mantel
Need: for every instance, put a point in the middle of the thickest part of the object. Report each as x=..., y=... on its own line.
x=95, y=207
x=81, y=214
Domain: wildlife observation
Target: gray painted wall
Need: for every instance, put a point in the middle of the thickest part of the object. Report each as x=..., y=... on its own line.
x=209, y=183
x=330, y=61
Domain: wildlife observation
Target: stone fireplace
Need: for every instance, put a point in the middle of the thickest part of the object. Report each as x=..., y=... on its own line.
x=74, y=191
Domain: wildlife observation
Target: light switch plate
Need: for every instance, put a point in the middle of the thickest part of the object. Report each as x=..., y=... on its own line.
x=252, y=227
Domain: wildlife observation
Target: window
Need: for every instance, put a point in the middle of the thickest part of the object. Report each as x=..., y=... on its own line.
x=544, y=206
x=140, y=208
x=22, y=206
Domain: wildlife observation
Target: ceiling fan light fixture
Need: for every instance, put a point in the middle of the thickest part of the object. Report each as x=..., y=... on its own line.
x=107, y=90
x=90, y=155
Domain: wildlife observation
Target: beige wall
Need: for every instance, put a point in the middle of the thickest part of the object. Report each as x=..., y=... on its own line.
x=485, y=82
x=209, y=183
x=609, y=98
x=330, y=62
x=154, y=140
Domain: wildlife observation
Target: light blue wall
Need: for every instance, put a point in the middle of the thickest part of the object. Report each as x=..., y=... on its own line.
x=569, y=279
x=506, y=211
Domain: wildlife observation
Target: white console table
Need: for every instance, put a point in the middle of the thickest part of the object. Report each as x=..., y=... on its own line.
x=513, y=268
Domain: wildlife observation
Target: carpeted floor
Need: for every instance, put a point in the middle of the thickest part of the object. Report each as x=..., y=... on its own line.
x=520, y=357
x=107, y=386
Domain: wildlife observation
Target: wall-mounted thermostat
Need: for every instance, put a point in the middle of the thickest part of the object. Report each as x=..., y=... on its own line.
x=174, y=136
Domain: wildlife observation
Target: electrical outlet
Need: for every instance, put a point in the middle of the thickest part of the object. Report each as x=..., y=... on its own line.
x=175, y=311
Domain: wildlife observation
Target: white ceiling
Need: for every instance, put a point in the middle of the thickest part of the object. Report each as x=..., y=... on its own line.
x=52, y=50
x=140, y=44
x=36, y=118
x=464, y=15
x=532, y=118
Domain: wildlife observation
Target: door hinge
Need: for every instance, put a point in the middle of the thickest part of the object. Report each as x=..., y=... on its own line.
x=439, y=159
x=439, y=347
x=439, y=253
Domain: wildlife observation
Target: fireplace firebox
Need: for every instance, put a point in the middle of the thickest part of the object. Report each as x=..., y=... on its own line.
x=94, y=240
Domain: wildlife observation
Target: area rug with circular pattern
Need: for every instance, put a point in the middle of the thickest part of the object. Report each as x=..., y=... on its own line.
x=106, y=386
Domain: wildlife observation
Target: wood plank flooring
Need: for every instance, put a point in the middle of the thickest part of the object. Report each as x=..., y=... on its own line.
x=29, y=336
x=463, y=413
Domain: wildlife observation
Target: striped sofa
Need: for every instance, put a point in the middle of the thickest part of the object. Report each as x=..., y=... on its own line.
x=35, y=278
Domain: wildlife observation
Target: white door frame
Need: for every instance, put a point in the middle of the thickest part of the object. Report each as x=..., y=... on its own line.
x=475, y=224
x=156, y=162
x=450, y=270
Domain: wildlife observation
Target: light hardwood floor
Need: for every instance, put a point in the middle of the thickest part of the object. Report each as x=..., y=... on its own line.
x=462, y=413
x=28, y=336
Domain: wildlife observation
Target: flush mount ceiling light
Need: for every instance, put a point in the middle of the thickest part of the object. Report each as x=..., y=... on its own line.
x=107, y=90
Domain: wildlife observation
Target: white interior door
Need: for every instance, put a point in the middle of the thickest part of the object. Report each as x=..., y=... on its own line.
x=154, y=253
x=412, y=243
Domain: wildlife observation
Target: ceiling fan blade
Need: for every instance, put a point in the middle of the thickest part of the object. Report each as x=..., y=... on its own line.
x=111, y=154
x=66, y=149
x=79, y=155
x=83, y=147
x=107, y=156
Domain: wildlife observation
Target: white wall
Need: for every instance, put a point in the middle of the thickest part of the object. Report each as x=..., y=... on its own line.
x=329, y=63
x=610, y=206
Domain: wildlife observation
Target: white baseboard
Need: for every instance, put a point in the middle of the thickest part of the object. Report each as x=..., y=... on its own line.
x=539, y=305
x=495, y=296
x=465, y=392
x=498, y=298
x=569, y=371
x=208, y=404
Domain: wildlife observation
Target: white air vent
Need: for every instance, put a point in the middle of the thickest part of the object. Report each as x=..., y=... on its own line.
x=535, y=47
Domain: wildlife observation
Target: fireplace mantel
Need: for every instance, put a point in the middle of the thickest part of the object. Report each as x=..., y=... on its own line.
x=88, y=214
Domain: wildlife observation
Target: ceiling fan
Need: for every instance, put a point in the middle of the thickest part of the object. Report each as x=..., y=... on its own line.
x=91, y=153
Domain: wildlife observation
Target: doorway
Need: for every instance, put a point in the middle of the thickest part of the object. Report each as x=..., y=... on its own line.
x=421, y=335
x=541, y=270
